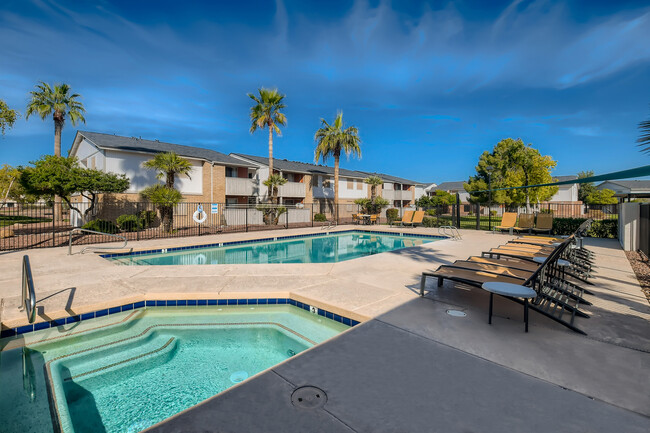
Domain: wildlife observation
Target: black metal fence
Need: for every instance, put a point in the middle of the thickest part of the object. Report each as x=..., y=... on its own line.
x=644, y=229
x=477, y=217
x=35, y=226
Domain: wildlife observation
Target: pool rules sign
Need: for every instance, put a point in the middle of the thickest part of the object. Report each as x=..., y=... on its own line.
x=214, y=208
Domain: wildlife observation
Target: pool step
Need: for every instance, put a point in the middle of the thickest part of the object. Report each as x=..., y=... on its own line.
x=112, y=370
x=111, y=352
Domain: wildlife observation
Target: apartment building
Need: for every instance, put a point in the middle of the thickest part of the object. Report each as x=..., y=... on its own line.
x=214, y=177
x=309, y=183
x=398, y=191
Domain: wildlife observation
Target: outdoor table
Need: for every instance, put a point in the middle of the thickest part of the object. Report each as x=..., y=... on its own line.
x=366, y=218
x=509, y=290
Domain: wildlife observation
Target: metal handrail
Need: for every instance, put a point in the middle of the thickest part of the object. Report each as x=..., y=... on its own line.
x=450, y=231
x=28, y=301
x=91, y=247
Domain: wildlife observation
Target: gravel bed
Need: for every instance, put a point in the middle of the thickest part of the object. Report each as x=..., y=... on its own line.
x=641, y=267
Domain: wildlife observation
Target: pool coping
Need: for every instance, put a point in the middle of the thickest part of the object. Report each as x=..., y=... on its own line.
x=206, y=301
x=266, y=239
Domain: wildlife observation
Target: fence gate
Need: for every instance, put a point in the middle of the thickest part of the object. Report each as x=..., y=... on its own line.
x=644, y=229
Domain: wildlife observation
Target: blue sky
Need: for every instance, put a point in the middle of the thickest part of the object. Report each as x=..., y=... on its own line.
x=430, y=85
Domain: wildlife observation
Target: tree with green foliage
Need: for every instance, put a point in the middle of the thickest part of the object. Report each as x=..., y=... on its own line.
x=372, y=206
x=514, y=164
x=57, y=102
x=168, y=165
x=333, y=139
x=587, y=188
x=601, y=196
x=266, y=114
x=8, y=179
x=7, y=117
x=165, y=199
x=440, y=198
x=374, y=182
x=273, y=183
x=60, y=176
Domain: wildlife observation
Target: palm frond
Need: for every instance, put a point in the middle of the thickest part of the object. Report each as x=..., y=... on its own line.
x=644, y=138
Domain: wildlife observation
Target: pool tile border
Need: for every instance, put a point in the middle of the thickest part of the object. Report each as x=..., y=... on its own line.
x=12, y=332
x=275, y=238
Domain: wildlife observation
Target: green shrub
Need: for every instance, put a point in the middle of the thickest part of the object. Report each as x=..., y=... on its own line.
x=100, y=226
x=431, y=212
x=599, y=228
x=429, y=222
x=147, y=218
x=128, y=223
x=546, y=211
x=320, y=217
x=392, y=214
x=493, y=213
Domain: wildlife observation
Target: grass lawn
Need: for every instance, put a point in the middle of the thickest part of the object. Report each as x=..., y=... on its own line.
x=7, y=220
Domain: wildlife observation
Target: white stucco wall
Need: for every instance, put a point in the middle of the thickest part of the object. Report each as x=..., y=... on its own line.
x=419, y=191
x=87, y=154
x=130, y=164
x=353, y=193
x=566, y=193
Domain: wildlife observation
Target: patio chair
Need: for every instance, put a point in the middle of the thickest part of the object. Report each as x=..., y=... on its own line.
x=374, y=218
x=406, y=218
x=418, y=217
x=356, y=219
x=526, y=222
x=544, y=223
x=553, y=300
x=508, y=221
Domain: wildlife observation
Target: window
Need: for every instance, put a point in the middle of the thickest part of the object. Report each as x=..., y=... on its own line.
x=350, y=183
x=92, y=163
x=231, y=172
x=314, y=181
x=359, y=184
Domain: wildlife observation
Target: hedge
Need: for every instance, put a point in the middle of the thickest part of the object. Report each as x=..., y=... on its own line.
x=392, y=214
x=599, y=228
x=128, y=223
x=320, y=217
x=100, y=226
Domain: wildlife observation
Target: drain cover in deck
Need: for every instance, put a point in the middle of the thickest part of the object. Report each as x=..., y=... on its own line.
x=456, y=313
x=308, y=397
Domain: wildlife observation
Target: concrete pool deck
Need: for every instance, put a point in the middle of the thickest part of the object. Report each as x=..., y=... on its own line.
x=410, y=366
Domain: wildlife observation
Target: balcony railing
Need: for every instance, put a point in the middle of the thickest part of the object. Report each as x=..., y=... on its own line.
x=241, y=186
x=292, y=189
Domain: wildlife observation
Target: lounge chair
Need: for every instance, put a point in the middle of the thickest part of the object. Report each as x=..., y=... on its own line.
x=526, y=222
x=406, y=218
x=508, y=221
x=553, y=300
x=544, y=223
x=418, y=217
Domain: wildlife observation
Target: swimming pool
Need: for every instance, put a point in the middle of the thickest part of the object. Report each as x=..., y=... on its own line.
x=314, y=248
x=130, y=370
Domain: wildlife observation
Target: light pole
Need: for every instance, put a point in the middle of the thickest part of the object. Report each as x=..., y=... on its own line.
x=489, y=170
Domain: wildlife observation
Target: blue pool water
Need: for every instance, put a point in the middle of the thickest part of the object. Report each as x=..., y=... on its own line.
x=131, y=370
x=327, y=248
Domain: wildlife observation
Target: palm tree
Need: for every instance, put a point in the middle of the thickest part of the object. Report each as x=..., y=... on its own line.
x=333, y=139
x=274, y=182
x=374, y=182
x=58, y=102
x=644, y=139
x=266, y=113
x=168, y=165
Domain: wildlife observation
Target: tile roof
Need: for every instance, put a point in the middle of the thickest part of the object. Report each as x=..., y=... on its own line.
x=631, y=184
x=134, y=144
x=450, y=186
x=394, y=179
x=301, y=167
x=565, y=178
